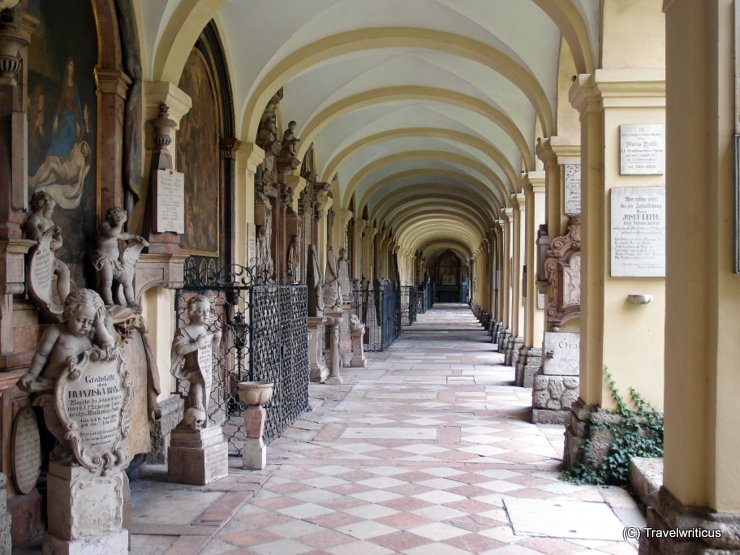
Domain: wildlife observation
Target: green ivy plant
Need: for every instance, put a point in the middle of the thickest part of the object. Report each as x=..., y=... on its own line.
x=637, y=432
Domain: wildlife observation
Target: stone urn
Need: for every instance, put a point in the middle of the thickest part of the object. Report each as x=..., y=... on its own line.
x=255, y=393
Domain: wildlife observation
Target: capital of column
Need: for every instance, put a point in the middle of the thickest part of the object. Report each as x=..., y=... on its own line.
x=325, y=202
x=518, y=201
x=297, y=184
x=112, y=82
x=343, y=217
x=157, y=93
x=618, y=88
x=584, y=95
x=557, y=150
x=507, y=213
x=361, y=225
x=370, y=232
x=250, y=155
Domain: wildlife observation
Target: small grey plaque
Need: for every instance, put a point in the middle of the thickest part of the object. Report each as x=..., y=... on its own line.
x=26, y=450
x=562, y=353
x=638, y=231
x=170, y=201
x=642, y=149
x=572, y=189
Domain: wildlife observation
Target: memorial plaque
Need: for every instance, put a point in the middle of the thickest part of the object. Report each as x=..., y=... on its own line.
x=170, y=201
x=40, y=277
x=572, y=189
x=25, y=450
x=642, y=149
x=561, y=353
x=92, y=397
x=638, y=231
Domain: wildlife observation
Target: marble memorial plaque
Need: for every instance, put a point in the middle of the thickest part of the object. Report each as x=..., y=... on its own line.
x=638, y=231
x=92, y=399
x=170, y=201
x=642, y=149
x=25, y=450
x=561, y=353
x=572, y=189
x=40, y=277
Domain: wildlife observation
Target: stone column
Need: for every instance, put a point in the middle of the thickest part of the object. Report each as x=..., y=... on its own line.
x=534, y=317
x=368, y=268
x=248, y=158
x=321, y=240
x=333, y=321
x=359, y=250
x=701, y=455
x=606, y=101
x=518, y=203
x=505, y=279
x=316, y=363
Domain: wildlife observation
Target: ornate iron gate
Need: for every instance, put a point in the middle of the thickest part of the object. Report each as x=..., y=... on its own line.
x=379, y=307
x=265, y=338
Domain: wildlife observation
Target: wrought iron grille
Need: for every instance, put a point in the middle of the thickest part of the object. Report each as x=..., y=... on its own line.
x=265, y=338
x=408, y=304
x=379, y=307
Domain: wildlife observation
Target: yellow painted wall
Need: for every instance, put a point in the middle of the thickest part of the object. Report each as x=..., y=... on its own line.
x=633, y=334
x=637, y=23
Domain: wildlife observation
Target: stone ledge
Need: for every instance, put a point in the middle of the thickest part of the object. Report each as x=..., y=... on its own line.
x=646, y=478
x=540, y=416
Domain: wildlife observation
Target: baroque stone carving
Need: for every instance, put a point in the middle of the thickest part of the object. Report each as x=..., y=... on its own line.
x=563, y=273
x=192, y=360
x=332, y=288
x=114, y=267
x=43, y=264
x=315, y=284
x=344, y=281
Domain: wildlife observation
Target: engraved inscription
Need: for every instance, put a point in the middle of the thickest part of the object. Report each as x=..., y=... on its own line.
x=638, y=231
x=217, y=460
x=95, y=402
x=26, y=450
x=170, y=201
x=562, y=353
x=642, y=149
x=572, y=189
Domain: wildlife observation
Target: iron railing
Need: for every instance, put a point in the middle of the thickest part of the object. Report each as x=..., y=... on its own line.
x=264, y=330
x=378, y=305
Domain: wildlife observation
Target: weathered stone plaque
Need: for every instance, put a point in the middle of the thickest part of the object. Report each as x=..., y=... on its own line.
x=642, y=149
x=572, y=189
x=638, y=231
x=40, y=277
x=25, y=450
x=92, y=397
x=170, y=201
x=561, y=353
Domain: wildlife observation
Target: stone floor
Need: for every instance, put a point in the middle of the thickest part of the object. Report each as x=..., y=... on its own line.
x=427, y=451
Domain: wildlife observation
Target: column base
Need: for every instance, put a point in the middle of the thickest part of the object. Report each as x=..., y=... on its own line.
x=110, y=544
x=534, y=363
x=254, y=454
x=578, y=427
x=704, y=531
x=198, y=457
x=334, y=380
x=503, y=340
x=552, y=397
x=512, y=351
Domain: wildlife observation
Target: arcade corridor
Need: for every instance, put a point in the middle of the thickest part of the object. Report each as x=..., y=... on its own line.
x=427, y=451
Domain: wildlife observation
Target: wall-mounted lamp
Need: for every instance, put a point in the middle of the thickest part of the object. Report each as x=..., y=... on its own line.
x=639, y=299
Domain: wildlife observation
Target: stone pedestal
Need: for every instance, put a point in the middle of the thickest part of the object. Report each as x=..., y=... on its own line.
x=316, y=362
x=552, y=397
x=704, y=531
x=503, y=340
x=357, y=330
x=197, y=457
x=6, y=543
x=85, y=511
x=345, y=343
x=254, y=454
x=170, y=415
x=532, y=366
x=578, y=427
x=512, y=351
x=333, y=322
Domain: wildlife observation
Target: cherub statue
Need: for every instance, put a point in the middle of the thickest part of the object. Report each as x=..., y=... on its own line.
x=192, y=359
x=108, y=261
x=289, y=140
x=84, y=325
x=40, y=225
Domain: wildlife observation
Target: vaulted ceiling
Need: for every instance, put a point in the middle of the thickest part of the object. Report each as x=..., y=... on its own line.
x=425, y=111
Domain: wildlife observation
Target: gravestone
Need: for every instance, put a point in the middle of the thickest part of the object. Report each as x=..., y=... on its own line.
x=642, y=149
x=41, y=264
x=86, y=494
x=561, y=353
x=572, y=189
x=25, y=450
x=170, y=191
x=638, y=231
